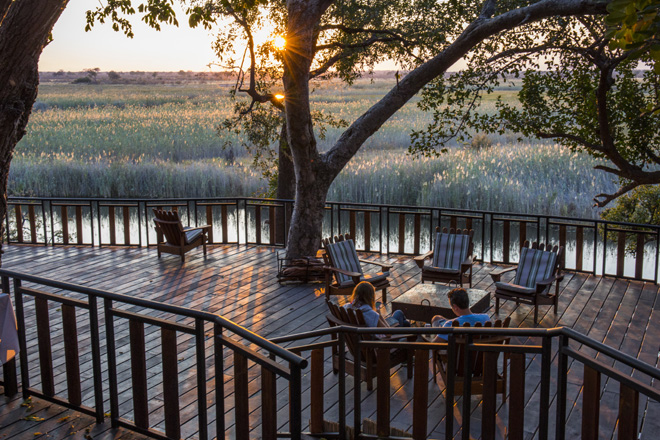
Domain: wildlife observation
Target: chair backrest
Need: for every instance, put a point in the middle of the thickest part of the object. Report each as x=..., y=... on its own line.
x=536, y=264
x=451, y=247
x=169, y=224
x=476, y=357
x=342, y=255
x=349, y=317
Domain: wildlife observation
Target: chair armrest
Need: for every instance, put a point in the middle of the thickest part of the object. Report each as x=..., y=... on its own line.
x=407, y=337
x=203, y=227
x=383, y=266
x=343, y=272
x=497, y=273
x=419, y=260
x=467, y=263
x=541, y=285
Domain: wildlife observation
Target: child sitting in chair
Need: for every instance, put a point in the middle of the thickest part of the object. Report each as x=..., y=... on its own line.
x=460, y=305
x=363, y=298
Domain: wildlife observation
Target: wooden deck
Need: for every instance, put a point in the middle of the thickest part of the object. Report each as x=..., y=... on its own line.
x=240, y=283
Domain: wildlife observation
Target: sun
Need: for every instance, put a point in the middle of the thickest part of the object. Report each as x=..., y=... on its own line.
x=279, y=42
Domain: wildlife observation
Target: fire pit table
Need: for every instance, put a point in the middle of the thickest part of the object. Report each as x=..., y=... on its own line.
x=424, y=301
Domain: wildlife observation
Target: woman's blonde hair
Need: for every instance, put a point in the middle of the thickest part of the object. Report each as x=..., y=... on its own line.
x=364, y=293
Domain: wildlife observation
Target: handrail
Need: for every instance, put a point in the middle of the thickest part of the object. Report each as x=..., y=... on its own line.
x=619, y=356
x=167, y=308
x=611, y=352
x=497, y=233
x=330, y=202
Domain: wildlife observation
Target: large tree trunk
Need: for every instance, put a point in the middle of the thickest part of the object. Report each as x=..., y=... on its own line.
x=286, y=185
x=312, y=178
x=24, y=29
x=286, y=173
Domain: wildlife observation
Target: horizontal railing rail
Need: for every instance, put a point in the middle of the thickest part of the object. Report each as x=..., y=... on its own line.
x=619, y=249
x=72, y=328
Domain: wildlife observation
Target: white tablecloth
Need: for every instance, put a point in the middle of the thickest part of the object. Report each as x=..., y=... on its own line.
x=8, y=330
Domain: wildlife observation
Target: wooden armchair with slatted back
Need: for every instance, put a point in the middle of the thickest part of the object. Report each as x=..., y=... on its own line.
x=476, y=359
x=174, y=238
x=368, y=368
x=343, y=268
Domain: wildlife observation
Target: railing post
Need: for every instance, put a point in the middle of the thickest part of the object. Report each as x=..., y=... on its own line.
x=544, y=403
x=562, y=377
x=23, y=355
x=218, y=355
x=451, y=386
x=467, y=386
x=201, y=379
x=112, y=363
x=96, y=357
x=295, y=402
x=357, y=389
x=341, y=352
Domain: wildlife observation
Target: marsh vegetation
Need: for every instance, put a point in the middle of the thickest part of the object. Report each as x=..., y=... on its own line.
x=135, y=140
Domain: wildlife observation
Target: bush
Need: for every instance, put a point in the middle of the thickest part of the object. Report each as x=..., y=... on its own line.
x=481, y=141
x=82, y=80
x=641, y=205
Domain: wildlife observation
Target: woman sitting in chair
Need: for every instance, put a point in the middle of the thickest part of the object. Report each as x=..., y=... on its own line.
x=460, y=305
x=363, y=299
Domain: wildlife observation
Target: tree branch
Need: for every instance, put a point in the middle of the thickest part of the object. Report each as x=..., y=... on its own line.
x=607, y=198
x=350, y=49
x=366, y=43
x=479, y=30
x=4, y=7
x=252, y=88
x=580, y=140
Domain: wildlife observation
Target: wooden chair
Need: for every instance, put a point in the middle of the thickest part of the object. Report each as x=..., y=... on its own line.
x=343, y=270
x=173, y=238
x=368, y=367
x=537, y=270
x=452, y=257
x=440, y=360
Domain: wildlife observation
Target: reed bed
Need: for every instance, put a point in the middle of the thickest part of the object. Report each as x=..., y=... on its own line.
x=161, y=141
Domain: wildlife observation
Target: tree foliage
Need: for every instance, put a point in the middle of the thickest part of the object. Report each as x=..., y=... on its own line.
x=635, y=25
x=575, y=88
x=641, y=205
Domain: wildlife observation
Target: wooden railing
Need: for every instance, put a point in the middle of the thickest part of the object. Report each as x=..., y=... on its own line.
x=623, y=250
x=635, y=380
x=154, y=352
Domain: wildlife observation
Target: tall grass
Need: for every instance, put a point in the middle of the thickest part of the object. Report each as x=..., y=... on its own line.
x=161, y=141
x=532, y=178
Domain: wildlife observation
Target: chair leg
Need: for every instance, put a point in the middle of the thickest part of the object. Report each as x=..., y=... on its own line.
x=369, y=378
x=384, y=296
x=536, y=314
x=434, y=356
x=497, y=305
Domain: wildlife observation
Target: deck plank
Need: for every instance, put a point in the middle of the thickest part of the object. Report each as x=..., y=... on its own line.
x=240, y=282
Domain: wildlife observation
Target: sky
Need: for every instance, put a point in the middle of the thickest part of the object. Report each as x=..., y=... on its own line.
x=172, y=49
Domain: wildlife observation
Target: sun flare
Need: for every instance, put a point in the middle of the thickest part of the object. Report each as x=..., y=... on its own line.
x=279, y=42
